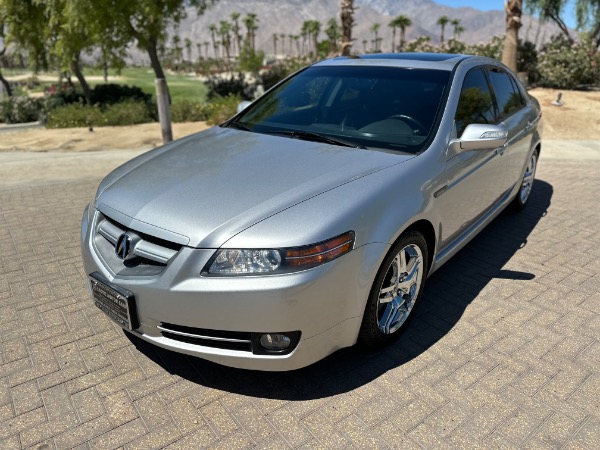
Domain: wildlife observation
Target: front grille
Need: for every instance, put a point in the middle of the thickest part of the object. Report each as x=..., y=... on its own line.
x=149, y=254
x=227, y=340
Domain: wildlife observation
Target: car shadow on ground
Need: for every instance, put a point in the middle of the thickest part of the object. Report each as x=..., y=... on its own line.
x=448, y=293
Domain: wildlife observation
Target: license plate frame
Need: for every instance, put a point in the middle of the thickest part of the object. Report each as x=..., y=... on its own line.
x=116, y=302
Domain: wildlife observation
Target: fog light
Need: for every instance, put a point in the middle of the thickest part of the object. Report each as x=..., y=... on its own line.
x=275, y=341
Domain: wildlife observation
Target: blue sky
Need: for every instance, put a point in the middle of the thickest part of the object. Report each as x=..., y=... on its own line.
x=485, y=5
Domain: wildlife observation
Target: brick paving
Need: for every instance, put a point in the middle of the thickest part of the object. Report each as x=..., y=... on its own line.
x=504, y=350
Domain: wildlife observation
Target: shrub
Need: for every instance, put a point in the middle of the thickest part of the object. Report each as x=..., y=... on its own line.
x=565, y=64
x=235, y=84
x=21, y=109
x=250, y=60
x=222, y=108
x=129, y=112
x=274, y=75
x=109, y=94
x=188, y=111
x=74, y=115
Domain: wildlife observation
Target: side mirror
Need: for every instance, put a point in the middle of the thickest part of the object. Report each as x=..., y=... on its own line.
x=243, y=105
x=480, y=137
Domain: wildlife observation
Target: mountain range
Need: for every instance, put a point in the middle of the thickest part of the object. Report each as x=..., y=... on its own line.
x=286, y=17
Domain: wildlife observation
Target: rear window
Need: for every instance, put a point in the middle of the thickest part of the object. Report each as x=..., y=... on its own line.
x=508, y=97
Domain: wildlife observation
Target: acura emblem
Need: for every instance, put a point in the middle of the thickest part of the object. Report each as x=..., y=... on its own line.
x=124, y=246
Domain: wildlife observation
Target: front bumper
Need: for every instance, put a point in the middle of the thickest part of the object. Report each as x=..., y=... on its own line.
x=325, y=304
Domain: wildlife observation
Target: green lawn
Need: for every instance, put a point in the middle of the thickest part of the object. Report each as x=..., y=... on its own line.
x=180, y=86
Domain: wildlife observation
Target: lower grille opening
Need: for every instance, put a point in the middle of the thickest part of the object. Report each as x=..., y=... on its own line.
x=226, y=345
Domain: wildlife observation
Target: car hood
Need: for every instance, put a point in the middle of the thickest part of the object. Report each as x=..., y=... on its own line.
x=206, y=188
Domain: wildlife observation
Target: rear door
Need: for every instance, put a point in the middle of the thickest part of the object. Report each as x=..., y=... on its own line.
x=514, y=113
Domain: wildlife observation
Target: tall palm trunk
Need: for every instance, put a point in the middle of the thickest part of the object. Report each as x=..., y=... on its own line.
x=346, y=13
x=511, y=38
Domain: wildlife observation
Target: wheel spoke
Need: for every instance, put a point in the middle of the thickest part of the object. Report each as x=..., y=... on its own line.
x=401, y=262
x=392, y=315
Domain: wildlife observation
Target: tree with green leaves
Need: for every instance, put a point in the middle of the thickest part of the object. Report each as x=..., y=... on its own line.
x=3, y=50
x=587, y=13
x=550, y=10
x=442, y=22
x=588, y=18
x=146, y=21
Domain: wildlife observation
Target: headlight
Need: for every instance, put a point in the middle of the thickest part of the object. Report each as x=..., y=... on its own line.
x=271, y=261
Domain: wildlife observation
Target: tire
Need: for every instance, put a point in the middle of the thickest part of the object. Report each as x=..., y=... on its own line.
x=391, y=299
x=524, y=191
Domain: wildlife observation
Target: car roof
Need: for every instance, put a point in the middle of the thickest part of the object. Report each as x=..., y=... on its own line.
x=439, y=61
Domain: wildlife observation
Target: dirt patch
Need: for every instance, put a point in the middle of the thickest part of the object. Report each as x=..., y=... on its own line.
x=577, y=119
x=81, y=139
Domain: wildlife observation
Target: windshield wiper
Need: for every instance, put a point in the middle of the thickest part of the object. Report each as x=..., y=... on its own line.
x=316, y=137
x=238, y=126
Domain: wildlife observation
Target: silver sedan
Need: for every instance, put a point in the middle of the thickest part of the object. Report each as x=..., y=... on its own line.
x=312, y=219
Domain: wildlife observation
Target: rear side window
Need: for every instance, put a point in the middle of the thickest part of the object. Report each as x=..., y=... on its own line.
x=475, y=104
x=507, y=95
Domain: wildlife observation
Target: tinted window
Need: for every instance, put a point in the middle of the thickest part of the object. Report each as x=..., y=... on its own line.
x=475, y=104
x=381, y=107
x=508, y=97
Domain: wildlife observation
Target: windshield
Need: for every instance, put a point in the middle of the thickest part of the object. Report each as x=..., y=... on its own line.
x=368, y=106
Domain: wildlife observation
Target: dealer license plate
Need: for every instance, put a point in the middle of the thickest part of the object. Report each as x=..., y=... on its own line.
x=116, y=302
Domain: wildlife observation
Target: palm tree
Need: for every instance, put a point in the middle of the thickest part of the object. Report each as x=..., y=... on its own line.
x=235, y=16
x=403, y=23
x=291, y=43
x=346, y=19
x=458, y=31
x=314, y=31
x=275, y=39
x=513, y=23
x=225, y=33
x=206, y=44
x=297, y=40
x=442, y=21
x=282, y=38
x=251, y=23
x=455, y=23
x=333, y=33
x=305, y=32
x=188, y=48
x=375, y=30
x=213, y=29
x=176, y=48
x=393, y=26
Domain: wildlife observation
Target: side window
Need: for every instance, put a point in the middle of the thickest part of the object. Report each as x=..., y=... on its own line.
x=475, y=104
x=507, y=95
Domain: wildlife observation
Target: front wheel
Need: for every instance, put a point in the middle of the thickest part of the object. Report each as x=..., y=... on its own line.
x=526, y=183
x=397, y=288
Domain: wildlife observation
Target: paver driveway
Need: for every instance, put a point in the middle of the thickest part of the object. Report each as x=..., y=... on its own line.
x=504, y=351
